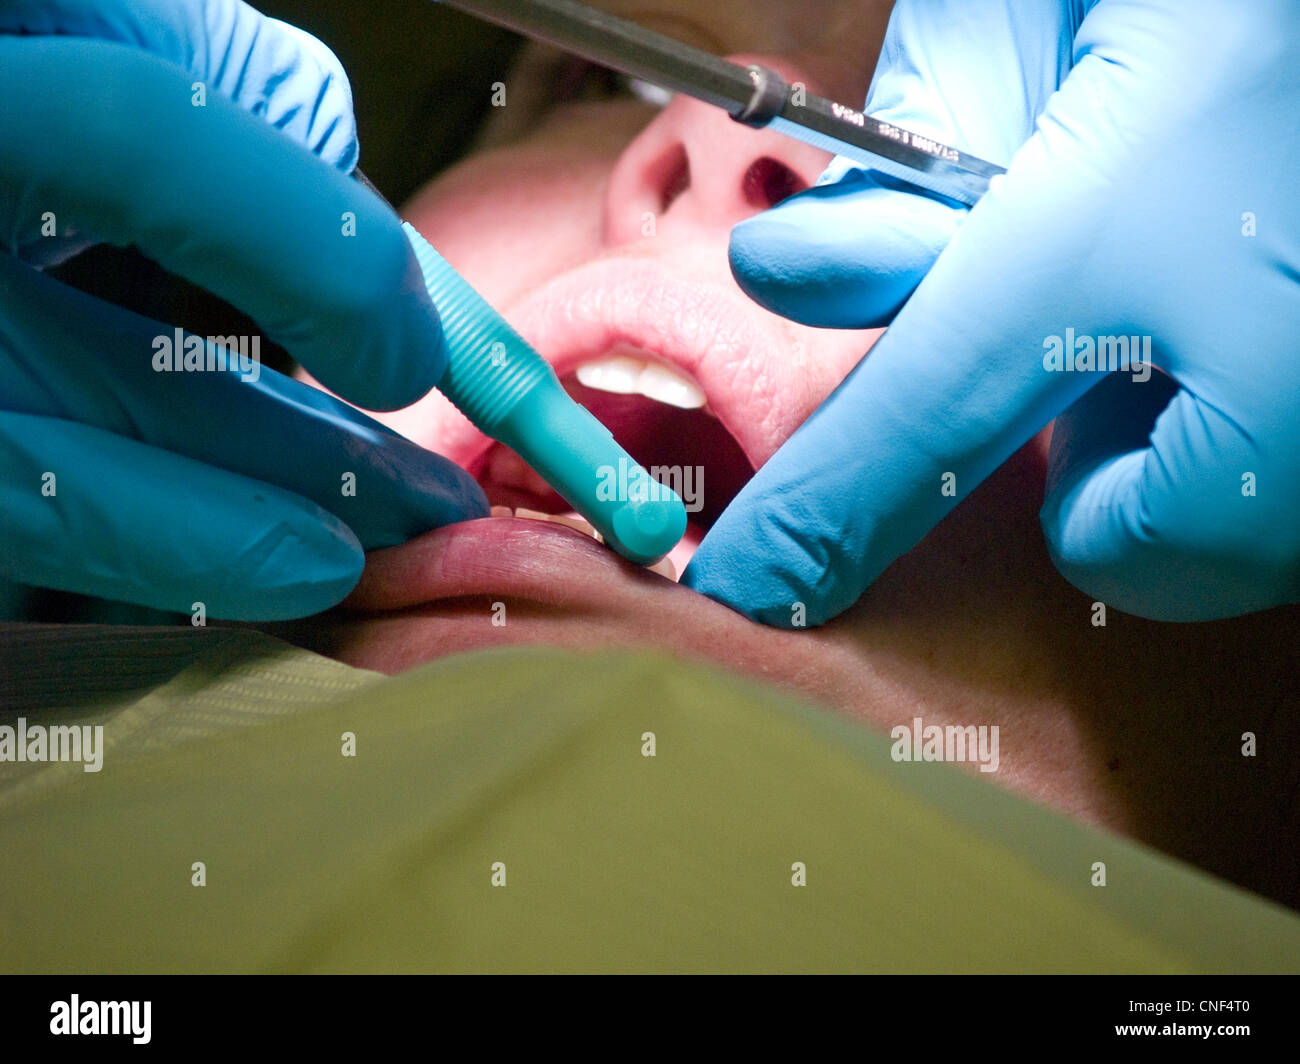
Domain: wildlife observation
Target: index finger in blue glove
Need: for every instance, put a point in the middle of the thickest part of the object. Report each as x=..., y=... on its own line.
x=945, y=396
x=971, y=73
x=242, y=548
x=66, y=355
x=270, y=68
x=114, y=146
x=1110, y=220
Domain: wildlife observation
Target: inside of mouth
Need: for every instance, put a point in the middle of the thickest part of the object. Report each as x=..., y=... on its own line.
x=654, y=434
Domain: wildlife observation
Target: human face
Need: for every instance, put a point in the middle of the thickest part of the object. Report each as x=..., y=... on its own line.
x=601, y=234
x=972, y=627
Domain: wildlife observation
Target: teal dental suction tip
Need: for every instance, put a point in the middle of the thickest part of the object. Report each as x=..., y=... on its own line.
x=510, y=393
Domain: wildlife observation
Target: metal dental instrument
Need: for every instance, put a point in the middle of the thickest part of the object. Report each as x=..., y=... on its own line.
x=754, y=95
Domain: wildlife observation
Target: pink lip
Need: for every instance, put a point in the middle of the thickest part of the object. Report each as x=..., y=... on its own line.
x=739, y=354
x=738, y=358
x=687, y=314
x=437, y=595
x=513, y=557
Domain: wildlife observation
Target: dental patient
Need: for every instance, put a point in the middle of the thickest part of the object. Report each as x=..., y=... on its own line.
x=598, y=225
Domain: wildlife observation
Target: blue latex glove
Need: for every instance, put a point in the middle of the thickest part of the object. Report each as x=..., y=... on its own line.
x=175, y=488
x=1152, y=194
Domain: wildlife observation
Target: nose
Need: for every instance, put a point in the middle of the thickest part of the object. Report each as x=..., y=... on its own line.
x=695, y=168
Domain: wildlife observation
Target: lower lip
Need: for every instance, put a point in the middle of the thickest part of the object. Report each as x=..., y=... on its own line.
x=513, y=557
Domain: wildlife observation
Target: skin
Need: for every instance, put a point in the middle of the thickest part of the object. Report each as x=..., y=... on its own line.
x=1134, y=726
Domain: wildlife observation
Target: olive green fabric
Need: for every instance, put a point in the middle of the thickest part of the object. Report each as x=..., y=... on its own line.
x=227, y=748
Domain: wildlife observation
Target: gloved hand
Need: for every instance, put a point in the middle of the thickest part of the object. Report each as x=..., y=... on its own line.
x=219, y=142
x=1151, y=195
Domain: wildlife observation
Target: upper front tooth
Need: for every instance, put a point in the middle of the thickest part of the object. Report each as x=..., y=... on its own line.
x=618, y=374
x=669, y=386
x=630, y=376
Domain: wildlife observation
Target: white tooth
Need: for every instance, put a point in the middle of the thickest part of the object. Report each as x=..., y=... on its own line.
x=668, y=386
x=575, y=521
x=531, y=515
x=570, y=520
x=664, y=567
x=624, y=375
x=502, y=511
x=618, y=374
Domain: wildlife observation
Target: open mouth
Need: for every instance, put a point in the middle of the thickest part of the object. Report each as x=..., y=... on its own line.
x=697, y=384
x=690, y=378
x=660, y=415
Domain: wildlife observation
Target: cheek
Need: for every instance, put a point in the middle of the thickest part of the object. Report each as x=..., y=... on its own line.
x=838, y=351
x=511, y=220
x=822, y=358
x=514, y=217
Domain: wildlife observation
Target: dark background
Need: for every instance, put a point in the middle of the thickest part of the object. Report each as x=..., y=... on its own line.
x=421, y=78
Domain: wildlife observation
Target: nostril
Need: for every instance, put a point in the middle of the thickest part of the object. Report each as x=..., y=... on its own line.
x=767, y=182
x=674, y=176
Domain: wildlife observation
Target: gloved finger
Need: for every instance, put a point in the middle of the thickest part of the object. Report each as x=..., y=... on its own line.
x=67, y=355
x=974, y=74
x=114, y=147
x=957, y=385
x=269, y=68
x=1096, y=200
x=91, y=512
x=1188, y=519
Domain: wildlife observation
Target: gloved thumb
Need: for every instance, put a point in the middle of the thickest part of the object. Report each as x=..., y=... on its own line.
x=974, y=74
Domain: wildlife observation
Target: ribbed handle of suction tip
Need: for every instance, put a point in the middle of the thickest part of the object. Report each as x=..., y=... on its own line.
x=490, y=366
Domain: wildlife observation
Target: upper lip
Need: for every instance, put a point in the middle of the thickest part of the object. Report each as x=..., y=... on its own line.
x=698, y=327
